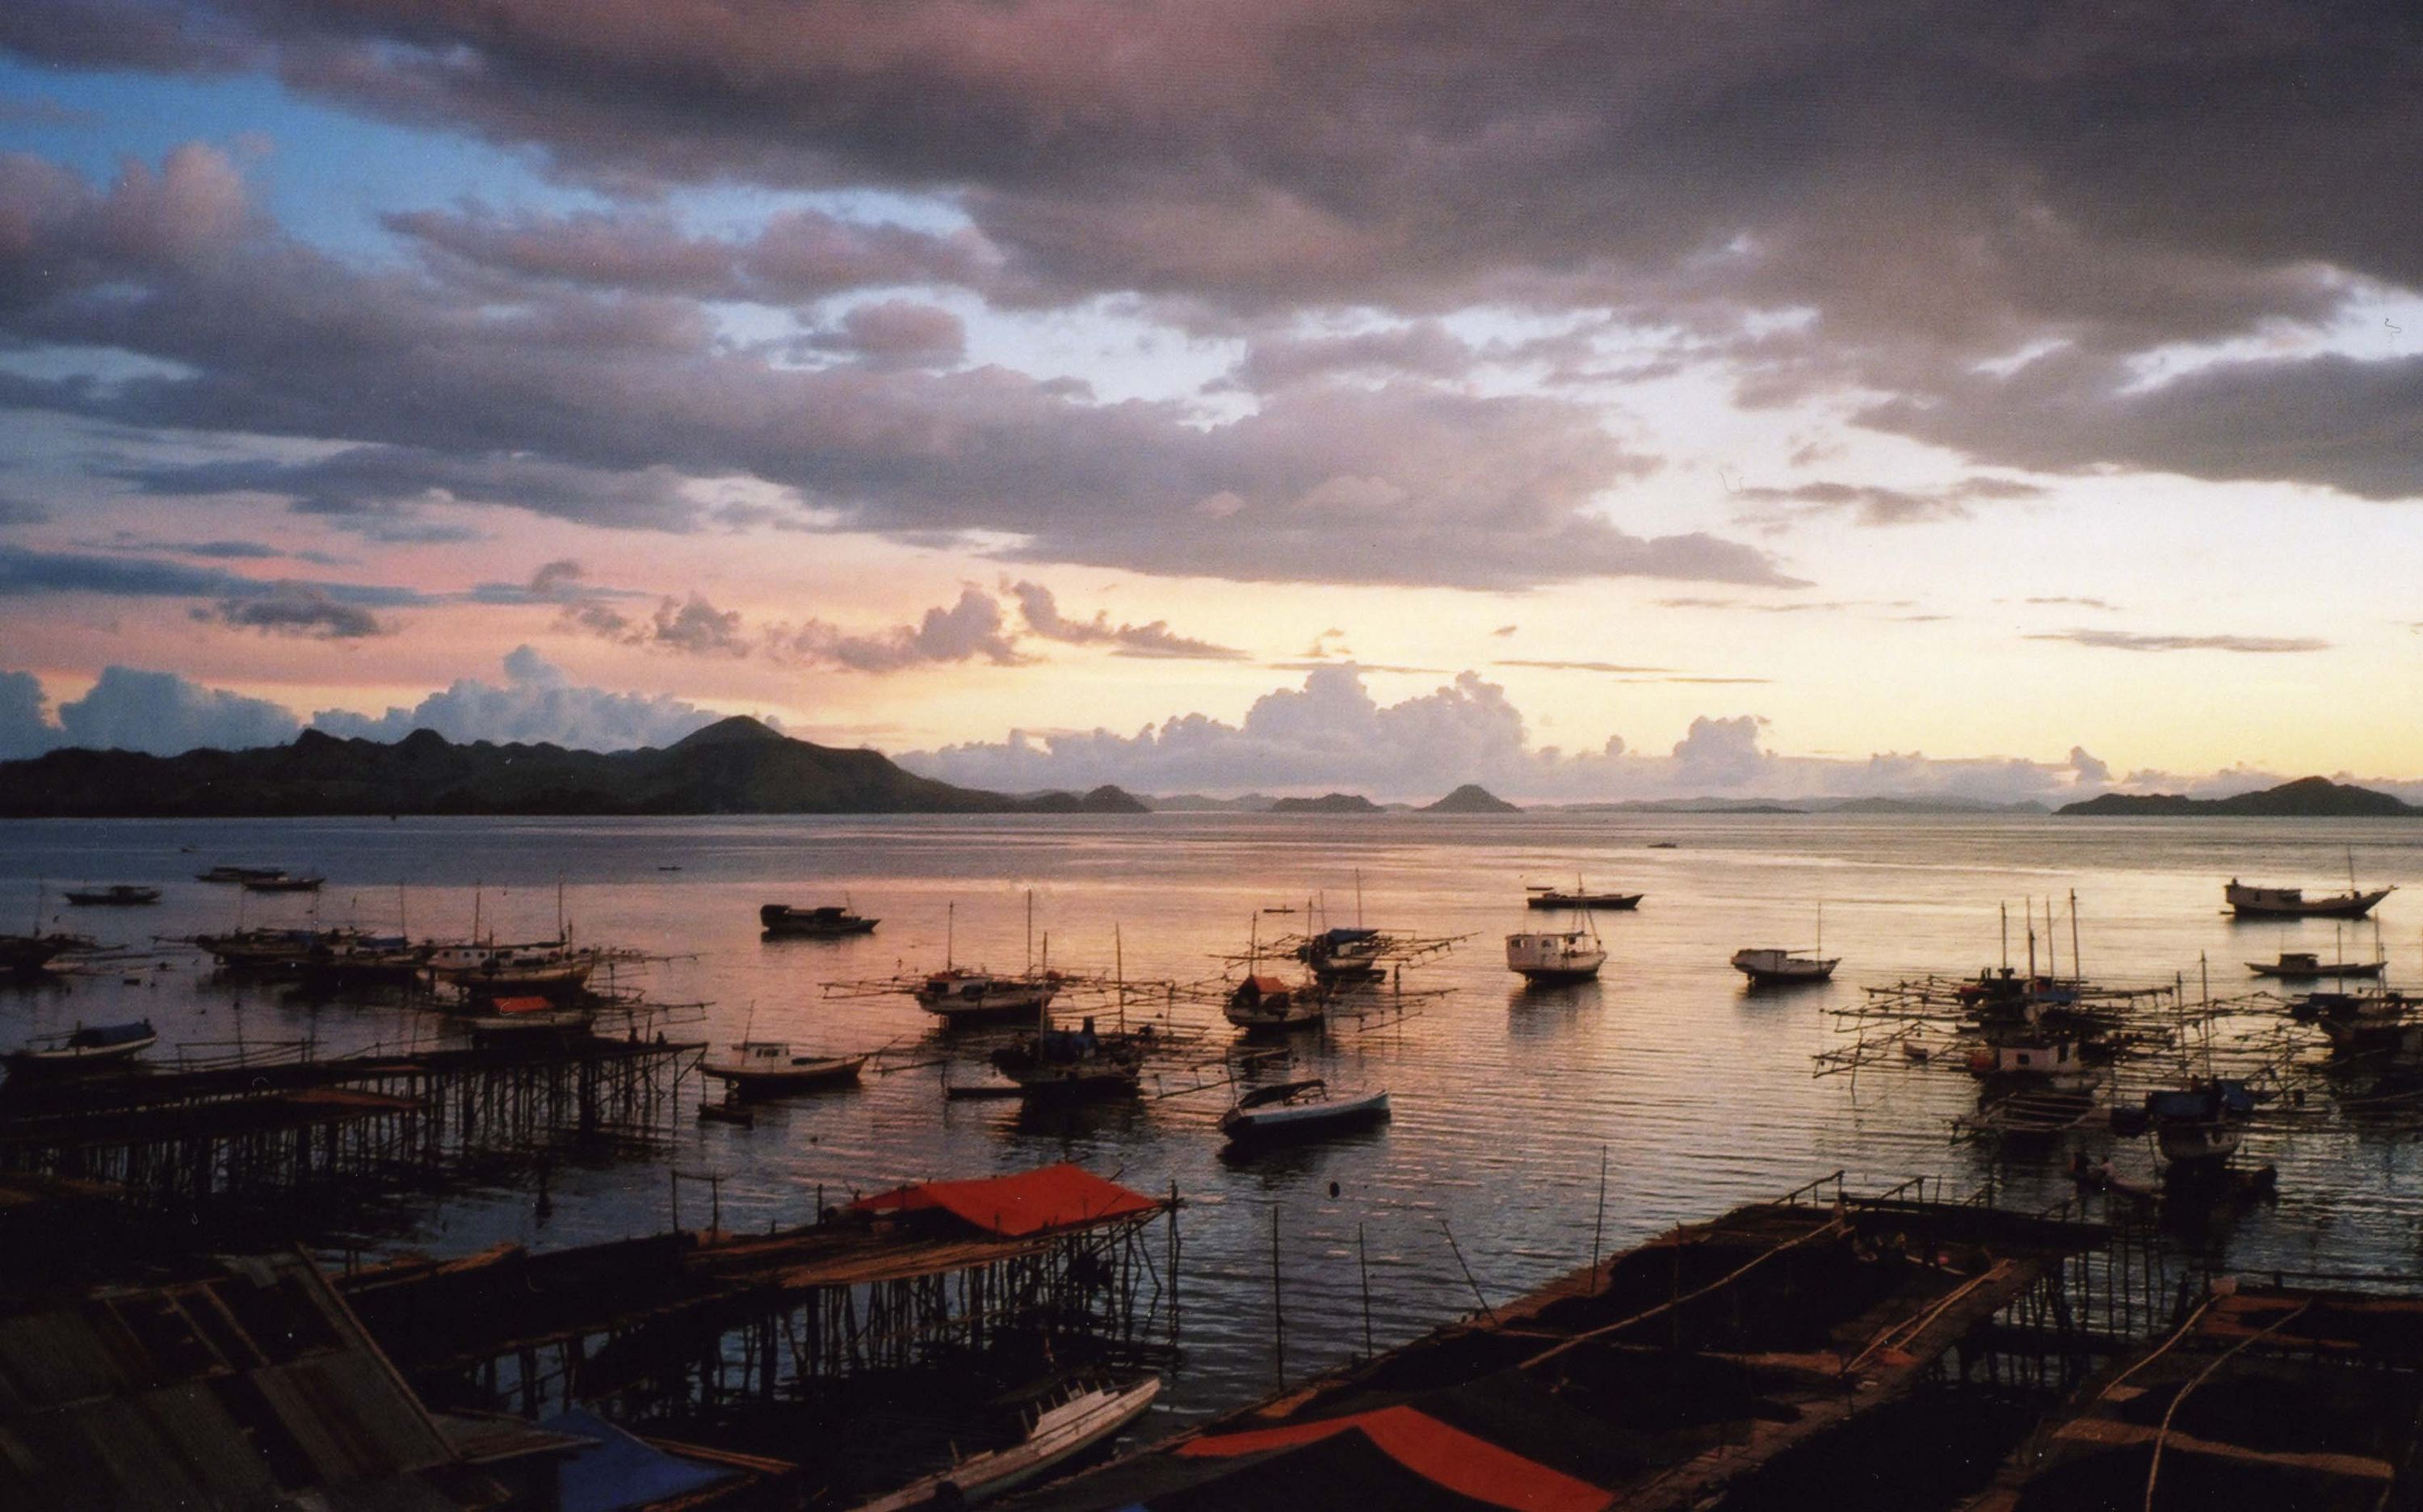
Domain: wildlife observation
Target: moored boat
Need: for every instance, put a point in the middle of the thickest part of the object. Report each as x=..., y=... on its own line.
x=1074, y=1064
x=524, y=1016
x=264, y=949
x=1268, y=1003
x=1549, y=956
x=1579, y=897
x=280, y=882
x=1344, y=954
x=2306, y=965
x=1299, y=1110
x=2053, y=1061
x=822, y=922
x=2291, y=902
x=90, y=1048
x=956, y=995
x=117, y=895
x=231, y=874
x=767, y=1068
x=28, y=955
x=545, y=967
x=1782, y=968
x=1076, y=1414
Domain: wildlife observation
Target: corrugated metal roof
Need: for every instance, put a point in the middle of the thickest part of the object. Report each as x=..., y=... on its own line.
x=254, y=1387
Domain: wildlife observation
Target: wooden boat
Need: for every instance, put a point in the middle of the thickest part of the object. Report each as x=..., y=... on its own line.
x=2202, y=1121
x=1782, y=968
x=1579, y=897
x=2306, y=966
x=280, y=883
x=1262, y=1004
x=1074, y=1064
x=239, y=874
x=117, y=895
x=767, y=1068
x=2048, y=1060
x=365, y=957
x=1299, y=1110
x=271, y=950
x=2291, y=902
x=549, y=966
x=1344, y=954
x=826, y=922
x=28, y=955
x=1549, y=956
x=1073, y=1416
x=959, y=996
x=2373, y=1022
x=523, y=1015
x=84, y=1049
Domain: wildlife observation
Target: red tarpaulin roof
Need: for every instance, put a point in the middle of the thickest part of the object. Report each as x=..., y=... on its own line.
x=1032, y=1201
x=1442, y=1454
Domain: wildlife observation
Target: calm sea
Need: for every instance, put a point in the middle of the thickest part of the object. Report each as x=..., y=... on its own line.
x=1692, y=1093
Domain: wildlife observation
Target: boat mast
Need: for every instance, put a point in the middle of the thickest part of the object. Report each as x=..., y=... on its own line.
x=2075, y=969
x=1030, y=932
x=950, y=918
x=2052, y=952
x=2006, y=936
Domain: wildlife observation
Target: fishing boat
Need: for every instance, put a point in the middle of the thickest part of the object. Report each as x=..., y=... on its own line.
x=524, y=1016
x=1550, y=956
x=2291, y=902
x=824, y=922
x=549, y=966
x=1075, y=1414
x=1579, y=897
x=1344, y=954
x=956, y=995
x=1784, y=969
x=2376, y=1020
x=1074, y=1064
x=350, y=958
x=28, y=955
x=2203, y=1122
x=280, y=882
x=234, y=874
x=1299, y=1110
x=1265, y=1004
x=84, y=1049
x=767, y=1068
x=2306, y=965
x=117, y=895
x=2052, y=1060
x=266, y=949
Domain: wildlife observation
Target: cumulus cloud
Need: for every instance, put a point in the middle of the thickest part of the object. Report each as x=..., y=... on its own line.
x=26, y=729
x=535, y=703
x=969, y=630
x=163, y=714
x=1041, y=611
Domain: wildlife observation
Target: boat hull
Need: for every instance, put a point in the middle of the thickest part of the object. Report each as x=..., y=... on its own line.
x=1606, y=901
x=1318, y=1121
x=1781, y=968
x=756, y=1082
x=980, y=1477
x=2287, y=902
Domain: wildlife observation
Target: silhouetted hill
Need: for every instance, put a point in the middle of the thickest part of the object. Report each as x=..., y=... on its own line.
x=1471, y=798
x=736, y=766
x=1103, y=800
x=2305, y=798
x=1326, y=803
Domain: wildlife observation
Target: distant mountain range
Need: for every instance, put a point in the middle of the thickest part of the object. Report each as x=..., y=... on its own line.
x=736, y=766
x=1326, y=803
x=2305, y=798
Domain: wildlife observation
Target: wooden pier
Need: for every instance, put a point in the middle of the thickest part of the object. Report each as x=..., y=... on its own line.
x=258, y=1136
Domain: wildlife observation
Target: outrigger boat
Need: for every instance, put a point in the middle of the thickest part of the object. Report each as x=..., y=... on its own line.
x=2291, y=902
x=1549, y=956
x=767, y=1068
x=2201, y=1124
x=553, y=966
x=266, y=949
x=28, y=955
x=1075, y=1415
x=98, y=1047
x=827, y=922
x=956, y=995
x=2306, y=965
x=1549, y=896
x=1299, y=1110
x=1265, y=1004
x=1073, y=1064
x=117, y=895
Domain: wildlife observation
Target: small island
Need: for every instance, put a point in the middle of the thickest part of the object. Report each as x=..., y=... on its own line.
x=1326, y=803
x=1471, y=798
x=2305, y=798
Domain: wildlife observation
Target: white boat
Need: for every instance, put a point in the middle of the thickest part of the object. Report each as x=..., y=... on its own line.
x=1267, y=1003
x=86, y=1048
x=540, y=966
x=959, y=996
x=2291, y=902
x=1078, y=1414
x=1776, y=968
x=767, y=1068
x=1554, y=956
x=1299, y=1110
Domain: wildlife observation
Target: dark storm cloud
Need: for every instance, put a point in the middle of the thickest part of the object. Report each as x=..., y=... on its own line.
x=600, y=408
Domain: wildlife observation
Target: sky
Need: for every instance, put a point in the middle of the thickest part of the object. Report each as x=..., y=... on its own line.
x=1595, y=402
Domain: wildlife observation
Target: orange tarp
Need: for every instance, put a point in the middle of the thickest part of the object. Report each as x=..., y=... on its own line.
x=1032, y=1201
x=1442, y=1454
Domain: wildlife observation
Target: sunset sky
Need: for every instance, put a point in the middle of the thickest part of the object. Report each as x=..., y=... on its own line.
x=1594, y=400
